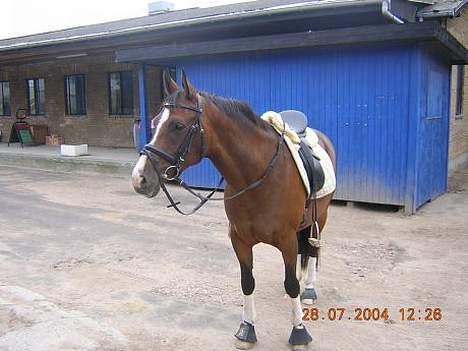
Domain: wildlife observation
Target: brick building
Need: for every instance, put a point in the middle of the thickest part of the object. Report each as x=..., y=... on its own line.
x=89, y=84
x=95, y=124
x=458, y=154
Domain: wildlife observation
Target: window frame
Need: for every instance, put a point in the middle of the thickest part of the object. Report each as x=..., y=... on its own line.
x=67, y=95
x=37, y=95
x=459, y=91
x=2, y=97
x=122, y=112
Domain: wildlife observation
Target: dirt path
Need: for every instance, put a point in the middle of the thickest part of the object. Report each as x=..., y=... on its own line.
x=86, y=264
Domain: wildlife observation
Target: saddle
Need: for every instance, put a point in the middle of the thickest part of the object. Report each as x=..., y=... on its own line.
x=297, y=121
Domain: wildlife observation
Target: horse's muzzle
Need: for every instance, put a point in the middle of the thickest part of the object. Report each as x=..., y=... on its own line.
x=144, y=187
x=144, y=180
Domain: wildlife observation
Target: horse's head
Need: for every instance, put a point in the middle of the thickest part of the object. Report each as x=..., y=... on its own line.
x=177, y=142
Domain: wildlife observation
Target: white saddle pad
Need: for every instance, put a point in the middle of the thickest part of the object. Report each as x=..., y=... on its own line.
x=292, y=140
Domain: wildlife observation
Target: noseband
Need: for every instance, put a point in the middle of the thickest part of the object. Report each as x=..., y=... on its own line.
x=176, y=162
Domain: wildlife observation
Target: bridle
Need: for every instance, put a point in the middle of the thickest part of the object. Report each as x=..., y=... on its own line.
x=176, y=162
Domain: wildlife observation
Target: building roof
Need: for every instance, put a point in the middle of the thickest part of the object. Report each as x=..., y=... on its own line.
x=241, y=20
x=172, y=19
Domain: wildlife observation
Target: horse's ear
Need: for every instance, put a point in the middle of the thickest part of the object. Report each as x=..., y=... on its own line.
x=170, y=86
x=190, y=91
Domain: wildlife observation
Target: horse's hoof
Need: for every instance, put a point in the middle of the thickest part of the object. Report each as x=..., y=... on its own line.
x=308, y=302
x=243, y=345
x=299, y=337
x=299, y=347
x=309, y=296
x=245, y=336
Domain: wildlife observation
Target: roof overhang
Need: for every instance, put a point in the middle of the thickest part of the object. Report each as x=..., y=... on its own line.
x=293, y=17
x=268, y=12
x=430, y=31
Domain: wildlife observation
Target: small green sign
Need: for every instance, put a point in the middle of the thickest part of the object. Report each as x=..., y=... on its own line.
x=26, y=136
x=21, y=132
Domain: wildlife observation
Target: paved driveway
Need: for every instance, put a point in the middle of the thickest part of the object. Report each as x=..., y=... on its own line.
x=86, y=264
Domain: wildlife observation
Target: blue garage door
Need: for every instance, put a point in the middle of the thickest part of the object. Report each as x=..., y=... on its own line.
x=358, y=96
x=433, y=130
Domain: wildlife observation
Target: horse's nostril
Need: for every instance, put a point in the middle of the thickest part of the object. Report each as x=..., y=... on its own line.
x=142, y=180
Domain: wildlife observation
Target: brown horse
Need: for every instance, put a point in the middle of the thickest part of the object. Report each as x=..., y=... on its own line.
x=245, y=149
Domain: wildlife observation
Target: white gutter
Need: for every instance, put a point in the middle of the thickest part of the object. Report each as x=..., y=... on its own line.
x=386, y=4
x=304, y=6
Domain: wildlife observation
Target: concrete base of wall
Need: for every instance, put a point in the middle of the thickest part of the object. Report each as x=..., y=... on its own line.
x=111, y=163
x=115, y=169
x=458, y=163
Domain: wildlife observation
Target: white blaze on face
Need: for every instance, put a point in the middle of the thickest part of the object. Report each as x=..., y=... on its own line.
x=138, y=170
x=164, y=117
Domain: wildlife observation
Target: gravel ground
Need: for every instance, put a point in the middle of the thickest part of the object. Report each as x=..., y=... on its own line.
x=87, y=264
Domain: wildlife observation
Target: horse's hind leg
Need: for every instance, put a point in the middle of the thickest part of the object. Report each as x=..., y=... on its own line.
x=309, y=295
x=299, y=335
x=245, y=336
x=307, y=266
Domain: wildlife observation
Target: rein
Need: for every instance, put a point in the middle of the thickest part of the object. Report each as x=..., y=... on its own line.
x=177, y=161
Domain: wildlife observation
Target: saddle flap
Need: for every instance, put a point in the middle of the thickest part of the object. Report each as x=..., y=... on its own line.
x=313, y=168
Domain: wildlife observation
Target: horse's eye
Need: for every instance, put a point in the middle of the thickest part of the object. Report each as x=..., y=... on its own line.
x=179, y=126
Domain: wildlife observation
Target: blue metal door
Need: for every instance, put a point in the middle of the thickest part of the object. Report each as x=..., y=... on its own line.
x=357, y=95
x=433, y=130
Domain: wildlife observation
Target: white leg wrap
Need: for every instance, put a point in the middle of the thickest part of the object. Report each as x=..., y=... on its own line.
x=248, y=313
x=296, y=311
x=311, y=273
x=299, y=272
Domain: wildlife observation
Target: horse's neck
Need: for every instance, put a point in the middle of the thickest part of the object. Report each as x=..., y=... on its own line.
x=240, y=150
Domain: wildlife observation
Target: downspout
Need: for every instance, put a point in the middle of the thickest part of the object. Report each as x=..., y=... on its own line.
x=386, y=5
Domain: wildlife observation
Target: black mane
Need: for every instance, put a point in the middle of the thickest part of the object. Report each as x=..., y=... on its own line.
x=233, y=108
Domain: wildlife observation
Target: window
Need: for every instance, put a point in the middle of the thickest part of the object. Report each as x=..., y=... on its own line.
x=5, y=109
x=36, y=96
x=75, y=95
x=120, y=93
x=460, y=84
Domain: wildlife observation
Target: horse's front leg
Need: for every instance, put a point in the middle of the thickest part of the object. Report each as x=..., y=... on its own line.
x=299, y=336
x=245, y=336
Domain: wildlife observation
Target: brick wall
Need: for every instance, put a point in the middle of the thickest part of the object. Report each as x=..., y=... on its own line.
x=458, y=150
x=98, y=127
